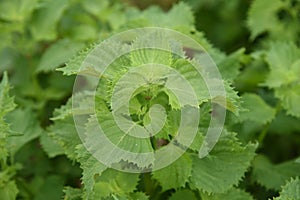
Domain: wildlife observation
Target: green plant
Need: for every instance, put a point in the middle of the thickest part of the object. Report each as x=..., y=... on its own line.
x=42, y=154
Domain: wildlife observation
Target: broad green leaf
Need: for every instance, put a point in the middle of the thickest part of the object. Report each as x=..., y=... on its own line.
x=217, y=55
x=175, y=175
x=256, y=109
x=197, y=141
x=109, y=142
x=45, y=18
x=187, y=70
x=283, y=59
x=284, y=124
x=114, y=16
x=153, y=47
x=50, y=146
x=262, y=16
x=207, y=88
x=24, y=123
x=183, y=194
x=284, y=62
x=172, y=18
x=231, y=194
x=95, y=7
x=94, y=60
x=282, y=55
x=115, y=182
x=254, y=74
x=232, y=100
x=156, y=17
x=9, y=191
x=91, y=167
x=156, y=119
x=57, y=54
x=84, y=32
x=224, y=167
x=64, y=132
x=230, y=66
x=290, y=191
x=290, y=97
x=263, y=169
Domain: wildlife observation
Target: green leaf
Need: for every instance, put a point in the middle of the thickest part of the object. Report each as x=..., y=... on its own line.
x=74, y=64
x=115, y=182
x=151, y=48
x=256, y=109
x=290, y=191
x=44, y=20
x=290, y=97
x=254, y=74
x=57, y=54
x=231, y=194
x=64, y=132
x=6, y=105
x=262, y=16
x=197, y=142
x=156, y=17
x=283, y=59
x=284, y=62
x=284, y=124
x=9, y=191
x=230, y=66
x=187, y=70
x=223, y=167
x=183, y=194
x=72, y=193
x=263, y=169
x=282, y=55
x=95, y=7
x=185, y=19
x=50, y=146
x=99, y=141
x=199, y=84
x=50, y=188
x=16, y=10
x=25, y=123
x=175, y=175
x=84, y=32
x=91, y=167
x=232, y=100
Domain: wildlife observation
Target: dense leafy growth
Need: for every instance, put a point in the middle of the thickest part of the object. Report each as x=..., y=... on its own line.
x=255, y=45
